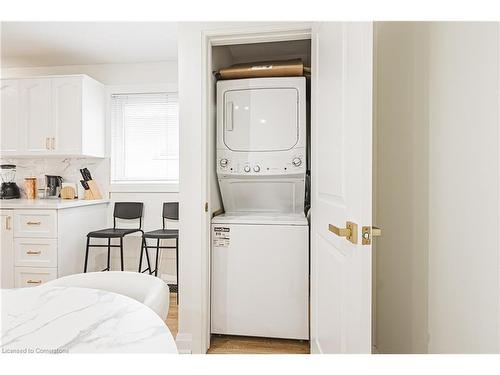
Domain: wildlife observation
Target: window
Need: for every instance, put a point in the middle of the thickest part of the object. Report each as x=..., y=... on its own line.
x=144, y=138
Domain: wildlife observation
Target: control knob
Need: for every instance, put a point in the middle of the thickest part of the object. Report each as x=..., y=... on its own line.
x=256, y=168
x=247, y=168
x=223, y=163
x=297, y=162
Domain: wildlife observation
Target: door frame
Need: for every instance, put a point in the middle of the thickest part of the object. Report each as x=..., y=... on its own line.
x=222, y=37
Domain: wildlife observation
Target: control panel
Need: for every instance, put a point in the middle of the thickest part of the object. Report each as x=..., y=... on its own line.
x=265, y=164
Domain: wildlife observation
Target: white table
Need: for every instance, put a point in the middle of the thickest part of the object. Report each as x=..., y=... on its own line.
x=48, y=319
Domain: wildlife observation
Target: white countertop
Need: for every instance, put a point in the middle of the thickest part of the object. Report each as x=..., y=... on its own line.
x=47, y=204
x=47, y=319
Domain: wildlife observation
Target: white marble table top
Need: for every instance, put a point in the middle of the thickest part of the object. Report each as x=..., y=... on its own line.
x=48, y=319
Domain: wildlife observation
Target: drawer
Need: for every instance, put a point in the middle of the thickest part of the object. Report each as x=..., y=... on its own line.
x=31, y=276
x=35, y=223
x=35, y=252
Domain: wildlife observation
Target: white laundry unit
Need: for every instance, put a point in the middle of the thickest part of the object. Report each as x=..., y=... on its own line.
x=260, y=246
x=260, y=275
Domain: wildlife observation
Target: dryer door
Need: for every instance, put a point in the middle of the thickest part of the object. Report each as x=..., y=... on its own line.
x=261, y=119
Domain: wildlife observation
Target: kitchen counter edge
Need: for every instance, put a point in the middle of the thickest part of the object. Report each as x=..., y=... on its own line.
x=48, y=204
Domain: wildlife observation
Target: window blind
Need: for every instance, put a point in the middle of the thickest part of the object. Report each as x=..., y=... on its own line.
x=145, y=138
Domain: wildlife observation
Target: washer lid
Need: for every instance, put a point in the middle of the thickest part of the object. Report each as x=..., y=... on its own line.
x=261, y=219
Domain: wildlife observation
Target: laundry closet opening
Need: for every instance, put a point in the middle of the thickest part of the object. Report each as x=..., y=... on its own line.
x=259, y=183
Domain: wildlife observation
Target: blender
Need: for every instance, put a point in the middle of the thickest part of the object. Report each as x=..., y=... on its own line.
x=9, y=189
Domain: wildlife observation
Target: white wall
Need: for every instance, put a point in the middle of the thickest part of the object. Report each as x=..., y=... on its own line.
x=119, y=75
x=438, y=188
x=464, y=188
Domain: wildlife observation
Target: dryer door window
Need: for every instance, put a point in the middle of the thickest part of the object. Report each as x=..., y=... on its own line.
x=261, y=119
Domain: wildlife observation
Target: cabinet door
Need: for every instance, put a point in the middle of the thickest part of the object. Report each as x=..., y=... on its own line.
x=35, y=114
x=9, y=137
x=7, y=253
x=67, y=114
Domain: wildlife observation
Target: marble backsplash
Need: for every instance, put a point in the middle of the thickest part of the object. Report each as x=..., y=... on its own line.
x=67, y=168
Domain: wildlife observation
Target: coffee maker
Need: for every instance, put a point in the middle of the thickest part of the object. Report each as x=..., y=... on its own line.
x=9, y=189
x=53, y=186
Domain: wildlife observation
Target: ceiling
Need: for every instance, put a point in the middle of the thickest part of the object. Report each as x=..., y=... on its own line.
x=81, y=43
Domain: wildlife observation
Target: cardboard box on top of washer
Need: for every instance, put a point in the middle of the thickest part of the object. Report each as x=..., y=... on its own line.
x=284, y=68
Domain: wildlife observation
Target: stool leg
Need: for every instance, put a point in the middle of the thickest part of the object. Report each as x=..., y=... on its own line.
x=147, y=256
x=157, y=251
x=86, y=254
x=108, y=267
x=121, y=252
x=142, y=252
x=177, y=266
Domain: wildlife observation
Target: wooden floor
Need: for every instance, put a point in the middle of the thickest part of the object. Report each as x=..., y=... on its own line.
x=172, y=315
x=221, y=344
x=256, y=345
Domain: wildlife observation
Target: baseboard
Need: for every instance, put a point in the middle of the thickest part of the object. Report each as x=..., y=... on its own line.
x=315, y=348
x=184, y=343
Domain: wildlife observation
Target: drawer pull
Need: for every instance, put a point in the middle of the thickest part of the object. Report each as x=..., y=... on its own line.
x=34, y=222
x=7, y=223
x=34, y=282
x=31, y=252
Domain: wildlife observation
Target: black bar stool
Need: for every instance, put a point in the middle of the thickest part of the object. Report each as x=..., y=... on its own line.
x=122, y=210
x=170, y=212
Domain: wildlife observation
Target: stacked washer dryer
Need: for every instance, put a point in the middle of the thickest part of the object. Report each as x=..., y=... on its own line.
x=260, y=246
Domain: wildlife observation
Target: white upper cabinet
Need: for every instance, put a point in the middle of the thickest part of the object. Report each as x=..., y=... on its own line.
x=34, y=114
x=9, y=94
x=57, y=115
x=67, y=114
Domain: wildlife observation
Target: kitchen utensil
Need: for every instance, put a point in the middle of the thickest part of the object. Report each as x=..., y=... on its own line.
x=9, y=189
x=31, y=187
x=68, y=192
x=52, y=186
x=86, y=174
x=91, y=189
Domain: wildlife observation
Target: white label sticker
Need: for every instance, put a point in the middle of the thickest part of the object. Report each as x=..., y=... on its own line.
x=221, y=237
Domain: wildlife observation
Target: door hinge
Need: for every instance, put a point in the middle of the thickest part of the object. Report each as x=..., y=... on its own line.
x=206, y=206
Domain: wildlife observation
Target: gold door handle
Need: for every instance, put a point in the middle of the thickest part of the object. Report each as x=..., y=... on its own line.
x=350, y=232
x=7, y=223
x=34, y=282
x=367, y=233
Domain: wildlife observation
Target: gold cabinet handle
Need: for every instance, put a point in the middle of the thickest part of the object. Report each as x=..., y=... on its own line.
x=47, y=143
x=367, y=233
x=34, y=282
x=31, y=252
x=7, y=223
x=34, y=222
x=350, y=232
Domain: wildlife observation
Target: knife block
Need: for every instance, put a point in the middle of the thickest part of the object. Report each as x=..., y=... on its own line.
x=93, y=192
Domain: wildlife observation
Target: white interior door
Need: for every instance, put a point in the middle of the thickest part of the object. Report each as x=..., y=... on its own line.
x=341, y=145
